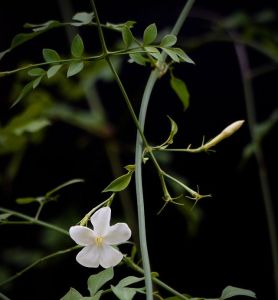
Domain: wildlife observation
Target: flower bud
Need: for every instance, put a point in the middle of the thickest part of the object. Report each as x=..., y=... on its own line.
x=225, y=133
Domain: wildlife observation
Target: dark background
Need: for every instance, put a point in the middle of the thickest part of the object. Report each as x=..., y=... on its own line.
x=231, y=245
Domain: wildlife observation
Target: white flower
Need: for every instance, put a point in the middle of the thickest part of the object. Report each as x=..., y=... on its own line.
x=99, y=242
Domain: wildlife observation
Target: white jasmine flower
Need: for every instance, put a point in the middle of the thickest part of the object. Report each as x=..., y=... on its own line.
x=100, y=240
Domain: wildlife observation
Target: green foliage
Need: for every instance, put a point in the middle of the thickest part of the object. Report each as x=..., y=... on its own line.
x=52, y=71
x=168, y=40
x=75, y=68
x=123, y=292
x=127, y=36
x=150, y=34
x=231, y=291
x=82, y=18
x=119, y=184
x=181, y=90
x=95, y=282
x=72, y=294
x=50, y=55
x=77, y=46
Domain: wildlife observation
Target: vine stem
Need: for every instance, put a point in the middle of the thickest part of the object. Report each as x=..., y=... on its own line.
x=245, y=71
x=141, y=140
x=60, y=252
x=34, y=220
x=138, y=156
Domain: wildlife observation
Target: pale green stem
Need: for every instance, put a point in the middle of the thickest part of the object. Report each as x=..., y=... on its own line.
x=138, y=157
x=188, y=189
x=4, y=297
x=263, y=174
x=34, y=220
x=37, y=262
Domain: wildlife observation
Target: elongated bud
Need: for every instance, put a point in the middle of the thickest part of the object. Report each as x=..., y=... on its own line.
x=225, y=133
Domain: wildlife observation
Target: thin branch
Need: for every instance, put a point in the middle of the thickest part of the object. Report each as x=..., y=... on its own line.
x=60, y=252
x=34, y=220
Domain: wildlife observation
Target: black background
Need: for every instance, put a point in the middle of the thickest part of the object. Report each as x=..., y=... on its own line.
x=232, y=245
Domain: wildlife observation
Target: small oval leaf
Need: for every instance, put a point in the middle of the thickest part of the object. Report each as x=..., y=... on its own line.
x=77, y=46
x=181, y=90
x=95, y=282
x=75, y=68
x=53, y=70
x=231, y=291
x=127, y=36
x=119, y=184
x=50, y=55
x=83, y=17
x=25, y=200
x=36, y=72
x=168, y=40
x=150, y=34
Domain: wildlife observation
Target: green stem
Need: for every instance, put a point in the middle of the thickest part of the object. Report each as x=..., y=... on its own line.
x=100, y=32
x=34, y=220
x=138, y=157
x=37, y=262
x=4, y=297
x=165, y=286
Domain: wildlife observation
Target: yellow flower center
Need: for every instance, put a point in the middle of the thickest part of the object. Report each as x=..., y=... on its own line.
x=99, y=240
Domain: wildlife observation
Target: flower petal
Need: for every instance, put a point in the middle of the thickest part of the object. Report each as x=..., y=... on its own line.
x=101, y=220
x=110, y=257
x=82, y=235
x=117, y=234
x=89, y=256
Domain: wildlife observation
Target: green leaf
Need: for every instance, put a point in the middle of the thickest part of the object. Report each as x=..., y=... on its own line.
x=130, y=168
x=32, y=126
x=26, y=200
x=181, y=90
x=72, y=294
x=53, y=70
x=27, y=88
x=4, y=216
x=127, y=36
x=123, y=293
x=37, y=81
x=172, y=54
x=168, y=40
x=182, y=55
x=95, y=297
x=150, y=34
x=82, y=18
x=24, y=37
x=75, y=68
x=50, y=55
x=43, y=26
x=231, y=291
x=128, y=24
x=77, y=46
x=95, y=282
x=36, y=72
x=129, y=280
x=174, y=130
x=153, y=52
x=138, y=58
x=119, y=184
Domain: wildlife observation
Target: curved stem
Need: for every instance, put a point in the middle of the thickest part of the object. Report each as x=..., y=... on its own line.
x=37, y=262
x=138, y=157
x=34, y=220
